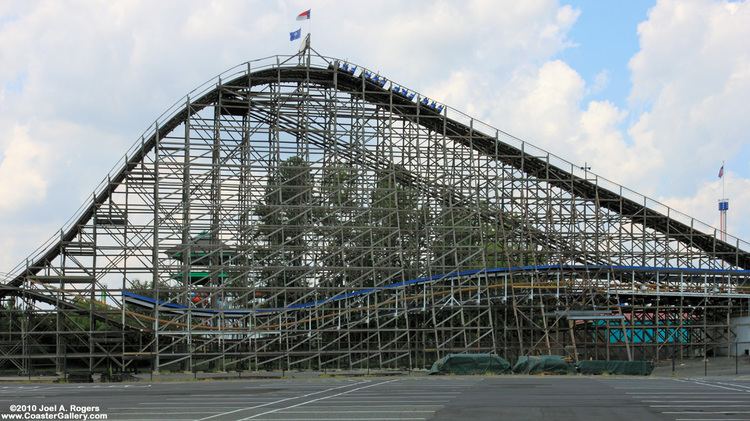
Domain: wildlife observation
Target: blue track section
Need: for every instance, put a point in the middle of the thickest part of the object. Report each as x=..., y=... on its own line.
x=166, y=305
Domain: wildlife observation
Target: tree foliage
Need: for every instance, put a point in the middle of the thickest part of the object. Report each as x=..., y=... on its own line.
x=283, y=229
x=345, y=226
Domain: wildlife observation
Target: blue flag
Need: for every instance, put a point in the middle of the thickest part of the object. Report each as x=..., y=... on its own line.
x=295, y=35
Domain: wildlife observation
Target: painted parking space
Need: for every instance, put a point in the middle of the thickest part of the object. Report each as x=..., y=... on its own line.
x=405, y=398
x=693, y=399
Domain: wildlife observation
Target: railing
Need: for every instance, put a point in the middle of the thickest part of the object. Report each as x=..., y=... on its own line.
x=450, y=112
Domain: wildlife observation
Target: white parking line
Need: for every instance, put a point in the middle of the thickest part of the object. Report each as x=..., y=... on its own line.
x=160, y=419
x=163, y=413
x=291, y=386
x=218, y=393
x=696, y=397
x=415, y=391
x=706, y=412
x=182, y=402
x=94, y=387
x=708, y=393
x=373, y=408
x=405, y=395
x=133, y=408
x=711, y=419
x=646, y=388
x=352, y=412
x=406, y=401
x=279, y=401
x=317, y=399
x=702, y=383
x=329, y=419
x=180, y=405
x=700, y=406
x=694, y=401
x=735, y=385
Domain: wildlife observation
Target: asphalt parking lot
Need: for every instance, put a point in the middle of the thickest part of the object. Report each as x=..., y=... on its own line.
x=395, y=398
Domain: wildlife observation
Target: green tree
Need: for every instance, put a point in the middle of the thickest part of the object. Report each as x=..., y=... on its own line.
x=397, y=230
x=284, y=228
x=339, y=225
x=165, y=290
x=468, y=237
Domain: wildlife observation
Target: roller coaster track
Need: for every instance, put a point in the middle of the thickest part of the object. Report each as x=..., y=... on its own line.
x=488, y=273
x=460, y=133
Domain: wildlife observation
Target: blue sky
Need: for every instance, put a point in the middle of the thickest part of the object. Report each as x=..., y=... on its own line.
x=655, y=109
x=605, y=40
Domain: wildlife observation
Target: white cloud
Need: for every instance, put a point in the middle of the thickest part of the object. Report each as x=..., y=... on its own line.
x=22, y=181
x=601, y=80
x=546, y=106
x=96, y=74
x=692, y=73
x=691, y=81
x=703, y=204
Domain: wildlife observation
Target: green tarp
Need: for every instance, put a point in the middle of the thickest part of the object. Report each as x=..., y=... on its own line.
x=547, y=364
x=470, y=364
x=634, y=368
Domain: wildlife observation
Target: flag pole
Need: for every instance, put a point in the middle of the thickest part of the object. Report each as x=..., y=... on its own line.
x=723, y=206
x=723, y=195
